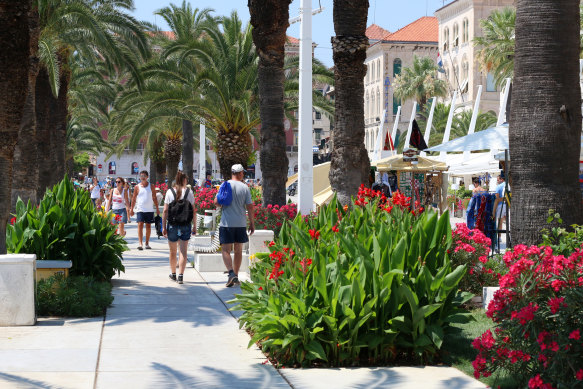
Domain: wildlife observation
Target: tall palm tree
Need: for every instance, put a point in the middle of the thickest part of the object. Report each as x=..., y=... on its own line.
x=269, y=19
x=18, y=34
x=496, y=45
x=545, y=117
x=349, y=160
x=420, y=82
x=69, y=28
x=440, y=116
x=462, y=120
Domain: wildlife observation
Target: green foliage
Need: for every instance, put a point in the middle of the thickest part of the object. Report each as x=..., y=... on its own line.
x=366, y=285
x=420, y=82
x=561, y=240
x=75, y=296
x=81, y=161
x=66, y=226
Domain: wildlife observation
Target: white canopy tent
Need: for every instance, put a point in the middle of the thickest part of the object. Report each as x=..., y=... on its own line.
x=494, y=138
x=477, y=163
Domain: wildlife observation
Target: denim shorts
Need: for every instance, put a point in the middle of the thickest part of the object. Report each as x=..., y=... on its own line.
x=123, y=213
x=145, y=217
x=179, y=232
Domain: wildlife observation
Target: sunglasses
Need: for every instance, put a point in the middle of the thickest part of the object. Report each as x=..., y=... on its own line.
x=118, y=182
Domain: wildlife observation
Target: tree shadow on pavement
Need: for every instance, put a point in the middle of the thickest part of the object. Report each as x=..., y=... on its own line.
x=23, y=383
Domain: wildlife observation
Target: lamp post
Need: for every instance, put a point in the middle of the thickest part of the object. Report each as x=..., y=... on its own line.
x=202, y=151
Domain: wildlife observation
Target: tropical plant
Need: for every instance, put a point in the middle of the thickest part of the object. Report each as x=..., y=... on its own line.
x=496, y=45
x=548, y=114
x=17, y=76
x=366, y=283
x=350, y=165
x=66, y=226
x=419, y=82
x=440, y=115
x=463, y=118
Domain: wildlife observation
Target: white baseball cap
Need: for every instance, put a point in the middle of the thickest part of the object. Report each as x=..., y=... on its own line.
x=237, y=168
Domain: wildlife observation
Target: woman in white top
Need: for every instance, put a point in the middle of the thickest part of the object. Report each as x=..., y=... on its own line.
x=143, y=202
x=178, y=234
x=95, y=190
x=118, y=203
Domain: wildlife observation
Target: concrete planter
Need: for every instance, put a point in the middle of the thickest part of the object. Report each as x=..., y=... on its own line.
x=214, y=262
x=258, y=239
x=17, y=272
x=488, y=295
x=47, y=268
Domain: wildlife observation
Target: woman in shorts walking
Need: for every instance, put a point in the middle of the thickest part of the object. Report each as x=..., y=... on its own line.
x=118, y=203
x=178, y=235
x=95, y=190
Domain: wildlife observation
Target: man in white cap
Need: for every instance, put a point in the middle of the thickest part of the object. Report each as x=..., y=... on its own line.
x=233, y=226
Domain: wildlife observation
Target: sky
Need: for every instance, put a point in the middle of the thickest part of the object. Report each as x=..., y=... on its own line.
x=389, y=14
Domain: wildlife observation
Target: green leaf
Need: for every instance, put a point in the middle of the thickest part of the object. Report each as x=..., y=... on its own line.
x=316, y=349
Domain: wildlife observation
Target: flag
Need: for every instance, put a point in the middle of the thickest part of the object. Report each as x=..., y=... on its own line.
x=417, y=139
x=440, y=64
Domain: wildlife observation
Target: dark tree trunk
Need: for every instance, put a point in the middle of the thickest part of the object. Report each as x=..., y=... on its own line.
x=25, y=167
x=70, y=168
x=161, y=171
x=58, y=125
x=153, y=177
x=349, y=164
x=171, y=170
x=18, y=29
x=232, y=148
x=187, y=150
x=43, y=108
x=269, y=19
x=545, y=117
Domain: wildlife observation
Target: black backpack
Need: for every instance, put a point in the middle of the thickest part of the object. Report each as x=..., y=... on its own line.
x=180, y=211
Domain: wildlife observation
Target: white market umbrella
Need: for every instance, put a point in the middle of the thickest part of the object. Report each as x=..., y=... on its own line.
x=494, y=138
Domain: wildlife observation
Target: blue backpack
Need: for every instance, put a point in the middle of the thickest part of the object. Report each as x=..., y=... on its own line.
x=225, y=195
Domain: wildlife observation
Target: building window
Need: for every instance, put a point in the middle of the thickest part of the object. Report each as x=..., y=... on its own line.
x=466, y=30
x=397, y=67
x=490, y=83
x=456, y=35
x=446, y=39
x=112, y=168
x=318, y=115
x=367, y=75
x=366, y=106
x=372, y=106
x=317, y=136
x=379, y=69
x=378, y=102
x=373, y=73
x=396, y=104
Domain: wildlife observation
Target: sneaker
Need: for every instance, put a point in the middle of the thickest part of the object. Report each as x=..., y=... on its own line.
x=232, y=280
x=172, y=277
x=140, y=247
x=180, y=278
x=148, y=247
x=237, y=282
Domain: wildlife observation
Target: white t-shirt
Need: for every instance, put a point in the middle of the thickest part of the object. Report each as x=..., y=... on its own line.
x=170, y=197
x=95, y=192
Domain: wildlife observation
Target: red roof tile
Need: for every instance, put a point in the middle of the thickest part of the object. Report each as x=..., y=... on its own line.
x=376, y=32
x=293, y=41
x=424, y=29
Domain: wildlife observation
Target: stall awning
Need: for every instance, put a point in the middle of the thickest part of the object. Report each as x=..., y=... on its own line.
x=324, y=196
x=321, y=180
x=396, y=163
x=494, y=138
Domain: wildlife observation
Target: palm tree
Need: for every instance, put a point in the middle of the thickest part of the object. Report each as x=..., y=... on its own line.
x=18, y=38
x=89, y=29
x=545, y=117
x=349, y=163
x=440, y=116
x=82, y=138
x=269, y=19
x=419, y=82
x=496, y=46
x=461, y=122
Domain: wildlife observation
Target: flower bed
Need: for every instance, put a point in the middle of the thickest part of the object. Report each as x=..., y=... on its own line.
x=272, y=217
x=361, y=285
x=204, y=199
x=537, y=313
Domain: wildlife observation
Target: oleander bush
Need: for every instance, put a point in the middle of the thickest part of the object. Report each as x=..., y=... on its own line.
x=361, y=285
x=74, y=296
x=66, y=226
x=273, y=217
x=538, y=320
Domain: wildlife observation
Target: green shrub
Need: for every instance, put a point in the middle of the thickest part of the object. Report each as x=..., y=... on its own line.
x=66, y=226
x=75, y=296
x=562, y=241
x=368, y=285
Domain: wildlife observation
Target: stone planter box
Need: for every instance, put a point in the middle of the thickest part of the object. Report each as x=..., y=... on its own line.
x=17, y=285
x=488, y=295
x=258, y=239
x=46, y=268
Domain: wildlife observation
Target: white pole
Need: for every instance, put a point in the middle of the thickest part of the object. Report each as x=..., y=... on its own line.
x=380, y=138
x=449, y=122
x=395, y=128
x=305, y=171
x=503, y=102
x=201, y=154
x=410, y=125
x=472, y=128
x=429, y=124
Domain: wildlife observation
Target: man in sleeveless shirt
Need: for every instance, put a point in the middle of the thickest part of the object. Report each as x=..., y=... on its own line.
x=143, y=201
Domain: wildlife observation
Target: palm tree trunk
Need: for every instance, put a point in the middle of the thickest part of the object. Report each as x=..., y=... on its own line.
x=349, y=159
x=171, y=170
x=18, y=29
x=269, y=19
x=153, y=177
x=58, y=122
x=187, y=150
x=161, y=171
x=43, y=108
x=545, y=118
x=232, y=148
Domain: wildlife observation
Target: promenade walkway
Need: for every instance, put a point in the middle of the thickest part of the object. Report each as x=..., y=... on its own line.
x=158, y=334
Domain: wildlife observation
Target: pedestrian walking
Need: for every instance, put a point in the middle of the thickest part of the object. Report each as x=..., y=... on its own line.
x=119, y=204
x=95, y=190
x=143, y=202
x=233, y=225
x=177, y=218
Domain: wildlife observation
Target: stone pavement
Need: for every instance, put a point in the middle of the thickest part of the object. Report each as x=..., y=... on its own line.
x=158, y=334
